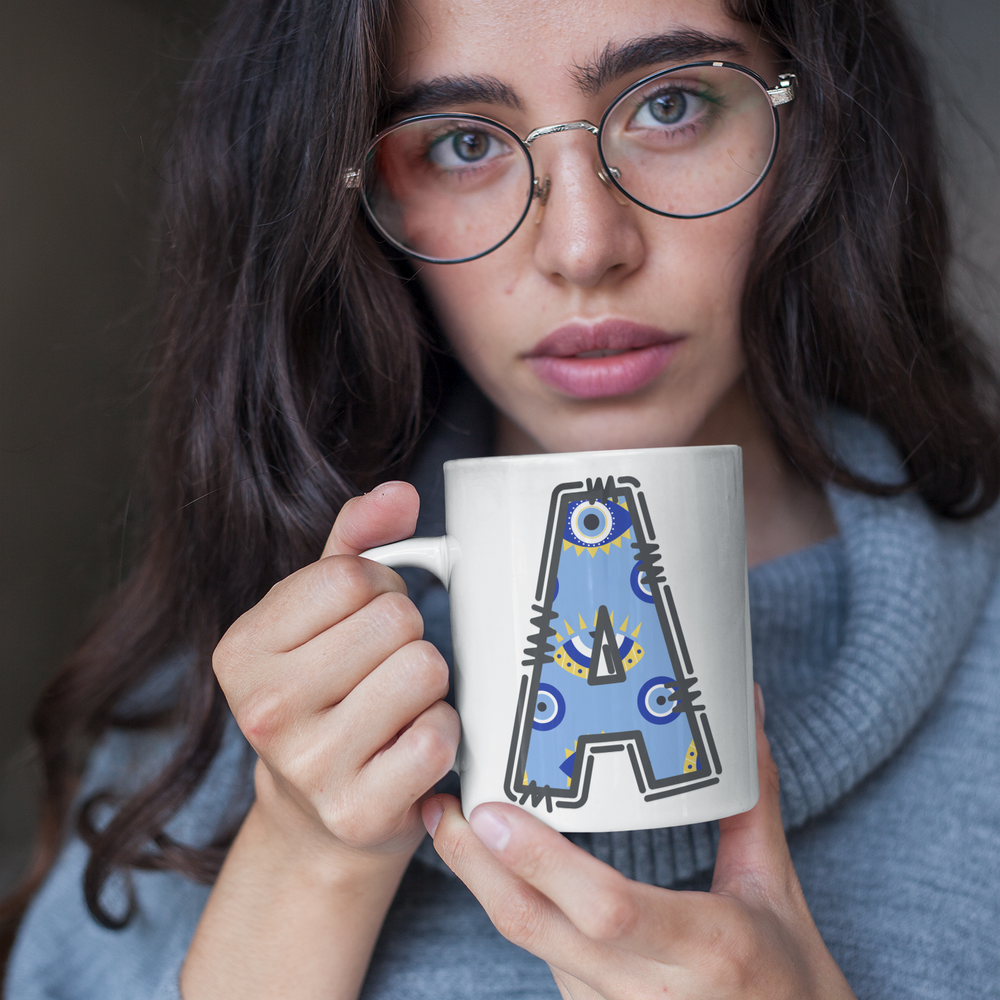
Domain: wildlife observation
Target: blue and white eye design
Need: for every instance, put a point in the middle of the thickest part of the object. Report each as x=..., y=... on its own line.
x=654, y=700
x=641, y=589
x=595, y=524
x=550, y=707
x=574, y=655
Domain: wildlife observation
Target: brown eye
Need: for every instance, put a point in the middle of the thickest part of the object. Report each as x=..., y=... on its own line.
x=471, y=146
x=467, y=147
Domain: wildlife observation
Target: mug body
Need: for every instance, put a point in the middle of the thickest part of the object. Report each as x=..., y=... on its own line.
x=601, y=632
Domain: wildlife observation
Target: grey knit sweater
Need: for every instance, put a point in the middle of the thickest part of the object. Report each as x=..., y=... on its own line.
x=879, y=655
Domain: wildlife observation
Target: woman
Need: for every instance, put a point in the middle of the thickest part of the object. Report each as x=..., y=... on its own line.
x=309, y=353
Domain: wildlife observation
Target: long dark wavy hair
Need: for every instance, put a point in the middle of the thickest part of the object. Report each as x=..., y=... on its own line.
x=295, y=366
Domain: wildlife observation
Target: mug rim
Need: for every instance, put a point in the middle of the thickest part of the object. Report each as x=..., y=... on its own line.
x=546, y=458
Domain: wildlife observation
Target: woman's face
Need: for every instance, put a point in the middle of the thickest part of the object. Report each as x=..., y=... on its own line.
x=601, y=325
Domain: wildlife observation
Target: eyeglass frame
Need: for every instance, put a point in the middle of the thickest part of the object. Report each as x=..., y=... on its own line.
x=784, y=93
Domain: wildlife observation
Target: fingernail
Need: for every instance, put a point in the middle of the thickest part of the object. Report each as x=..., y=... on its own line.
x=758, y=698
x=431, y=814
x=490, y=827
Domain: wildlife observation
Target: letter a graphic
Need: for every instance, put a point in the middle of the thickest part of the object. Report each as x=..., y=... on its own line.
x=623, y=684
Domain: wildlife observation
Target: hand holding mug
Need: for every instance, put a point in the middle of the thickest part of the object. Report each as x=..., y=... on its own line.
x=334, y=687
x=607, y=937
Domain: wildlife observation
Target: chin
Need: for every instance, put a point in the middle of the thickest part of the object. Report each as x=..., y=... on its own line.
x=647, y=433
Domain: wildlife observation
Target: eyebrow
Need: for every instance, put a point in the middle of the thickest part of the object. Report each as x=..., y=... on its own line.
x=445, y=92
x=615, y=61
x=676, y=46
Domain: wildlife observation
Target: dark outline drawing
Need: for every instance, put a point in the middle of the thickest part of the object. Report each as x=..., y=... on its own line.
x=540, y=649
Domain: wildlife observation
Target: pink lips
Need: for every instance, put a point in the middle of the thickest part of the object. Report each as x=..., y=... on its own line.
x=612, y=358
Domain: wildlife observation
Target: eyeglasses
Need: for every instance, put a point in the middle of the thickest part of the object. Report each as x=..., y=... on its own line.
x=689, y=142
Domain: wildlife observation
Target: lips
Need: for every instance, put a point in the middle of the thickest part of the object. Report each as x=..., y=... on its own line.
x=612, y=358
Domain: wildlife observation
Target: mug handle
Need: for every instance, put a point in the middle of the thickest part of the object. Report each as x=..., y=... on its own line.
x=437, y=555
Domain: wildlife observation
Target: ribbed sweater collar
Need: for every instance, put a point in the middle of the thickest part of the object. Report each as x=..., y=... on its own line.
x=853, y=639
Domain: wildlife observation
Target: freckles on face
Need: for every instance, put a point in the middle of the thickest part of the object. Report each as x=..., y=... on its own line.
x=597, y=324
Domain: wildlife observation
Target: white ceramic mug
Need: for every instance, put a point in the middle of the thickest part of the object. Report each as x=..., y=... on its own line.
x=601, y=631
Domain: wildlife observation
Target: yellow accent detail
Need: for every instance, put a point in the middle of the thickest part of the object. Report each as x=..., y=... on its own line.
x=583, y=624
x=638, y=652
x=569, y=628
x=606, y=549
x=564, y=661
x=635, y=631
x=691, y=759
x=559, y=638
x=621, y=628
x=569, y=753
x=568, y=664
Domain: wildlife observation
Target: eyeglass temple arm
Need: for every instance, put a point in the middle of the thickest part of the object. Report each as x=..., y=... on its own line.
x=784, y=93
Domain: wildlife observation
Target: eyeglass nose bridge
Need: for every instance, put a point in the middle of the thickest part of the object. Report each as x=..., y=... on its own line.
x=540, y=189
x=563, y=127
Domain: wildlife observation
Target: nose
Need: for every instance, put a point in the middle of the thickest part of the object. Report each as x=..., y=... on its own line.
x=586, y=235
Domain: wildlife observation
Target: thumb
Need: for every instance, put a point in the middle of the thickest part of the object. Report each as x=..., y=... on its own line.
x=387, y=514
x=753, y=851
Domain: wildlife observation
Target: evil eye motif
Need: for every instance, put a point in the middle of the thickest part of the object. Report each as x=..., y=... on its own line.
x=654, y=700
x=574, y=655
x=640, y=589
x=595, y=524
x=550, y=707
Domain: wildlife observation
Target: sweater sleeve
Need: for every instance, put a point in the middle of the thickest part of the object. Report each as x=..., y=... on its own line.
x=63, y=953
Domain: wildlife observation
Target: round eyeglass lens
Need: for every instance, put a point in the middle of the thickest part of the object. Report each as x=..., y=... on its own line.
x=447, y=189
x=692, y=141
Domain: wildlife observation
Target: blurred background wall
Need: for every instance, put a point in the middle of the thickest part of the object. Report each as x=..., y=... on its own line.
x=84, y=84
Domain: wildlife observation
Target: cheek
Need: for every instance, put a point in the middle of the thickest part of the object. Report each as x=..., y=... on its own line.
x=473, y=302
x=696, y=274
x=699, y=266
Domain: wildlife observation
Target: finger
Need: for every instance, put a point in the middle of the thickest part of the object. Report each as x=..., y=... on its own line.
x=320, y=595
x=753, y=851
x=324, y=670
x=388, y=700
x=396, y=777
x=300, y=607
x=520, y=912
x=602, y=903
x=289, y=699
x=387, y=514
